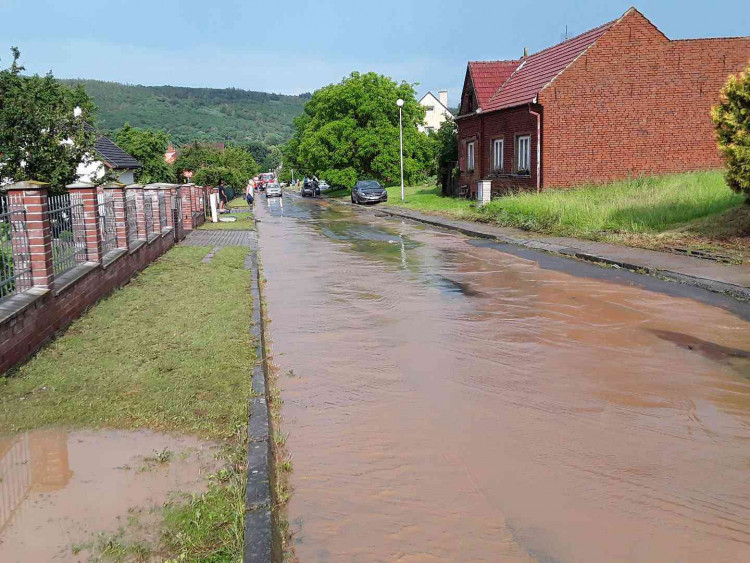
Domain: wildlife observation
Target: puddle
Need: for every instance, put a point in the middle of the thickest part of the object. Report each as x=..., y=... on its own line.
x=496, y=407
x=60, y=489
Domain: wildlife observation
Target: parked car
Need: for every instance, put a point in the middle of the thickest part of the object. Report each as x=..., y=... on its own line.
x=368, y=191
x=310, y=188
x=273, y=190
x=323, y=185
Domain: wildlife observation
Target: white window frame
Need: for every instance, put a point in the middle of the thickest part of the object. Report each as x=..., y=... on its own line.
x=523, y=153
x=498, y=147
x=470, y=156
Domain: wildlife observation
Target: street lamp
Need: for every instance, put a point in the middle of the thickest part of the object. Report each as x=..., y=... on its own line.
x=400, y=104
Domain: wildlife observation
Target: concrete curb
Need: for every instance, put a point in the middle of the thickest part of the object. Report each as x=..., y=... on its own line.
x=737, y=292
x=262, y=543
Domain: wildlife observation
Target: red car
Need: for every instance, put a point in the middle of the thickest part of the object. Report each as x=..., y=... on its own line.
x=267, y=178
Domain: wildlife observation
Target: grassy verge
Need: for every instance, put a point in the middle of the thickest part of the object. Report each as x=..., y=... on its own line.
x=692, y=210
x=244, y=222
x=237, y=203
x=134, y=362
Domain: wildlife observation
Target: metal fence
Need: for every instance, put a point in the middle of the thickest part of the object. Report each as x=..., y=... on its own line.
x=131, y=212
x=148, y=212
x=15, y=260
x=162, y=210
x=107, y=227
x=68, y=234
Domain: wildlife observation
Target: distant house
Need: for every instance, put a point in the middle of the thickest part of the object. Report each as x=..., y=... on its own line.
x=436, y=111
x=171, y=155
x=619, y=100
x=107, y=156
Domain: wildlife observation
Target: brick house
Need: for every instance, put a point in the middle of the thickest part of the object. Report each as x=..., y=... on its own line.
x=619, y=100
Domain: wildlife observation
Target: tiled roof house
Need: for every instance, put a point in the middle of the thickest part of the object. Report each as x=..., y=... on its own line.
x=618, y=100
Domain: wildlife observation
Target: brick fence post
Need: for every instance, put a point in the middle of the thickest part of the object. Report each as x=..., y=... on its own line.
x=136, y=191
x=117, y=193
x=187, y=208
x=167, y=191
x=33, y=197
x=150, y=193
x=86, y=194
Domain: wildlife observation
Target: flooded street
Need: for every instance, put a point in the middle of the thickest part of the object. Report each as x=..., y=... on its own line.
x=449, y=399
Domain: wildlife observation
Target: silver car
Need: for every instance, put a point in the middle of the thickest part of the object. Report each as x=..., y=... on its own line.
x=273, y=190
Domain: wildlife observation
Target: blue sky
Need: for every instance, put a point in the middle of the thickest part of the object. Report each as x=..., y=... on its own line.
x=298, y=46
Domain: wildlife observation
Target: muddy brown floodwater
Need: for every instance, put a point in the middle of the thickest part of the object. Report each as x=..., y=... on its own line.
x=450, y=401
x=63, y=492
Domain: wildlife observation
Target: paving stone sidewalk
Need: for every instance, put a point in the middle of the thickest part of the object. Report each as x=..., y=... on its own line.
x=729, y=279
x=220, y=238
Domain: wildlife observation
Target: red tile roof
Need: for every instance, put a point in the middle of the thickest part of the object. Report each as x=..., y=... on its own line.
x=539, y=69
x=488, y=76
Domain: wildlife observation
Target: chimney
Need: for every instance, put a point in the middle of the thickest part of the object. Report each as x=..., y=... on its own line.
x=443, y=97
x=525, y=52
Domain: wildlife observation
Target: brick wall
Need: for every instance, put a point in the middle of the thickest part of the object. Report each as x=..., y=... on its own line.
x=484, y=129
x=27, y=331
x=32, y=316
x=636, y=103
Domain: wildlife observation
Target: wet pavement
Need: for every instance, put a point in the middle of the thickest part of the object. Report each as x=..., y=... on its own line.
x=449, y=399
x=63, y=492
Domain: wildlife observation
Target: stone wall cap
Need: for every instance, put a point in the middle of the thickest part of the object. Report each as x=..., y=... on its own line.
x=27, y=185
x=134, y=187
x=77, y=185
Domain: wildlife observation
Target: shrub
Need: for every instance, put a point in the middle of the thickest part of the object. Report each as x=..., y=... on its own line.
x=732, y=120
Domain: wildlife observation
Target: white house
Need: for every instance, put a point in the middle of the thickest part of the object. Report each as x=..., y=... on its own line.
x=436, y=111
x=107, y=155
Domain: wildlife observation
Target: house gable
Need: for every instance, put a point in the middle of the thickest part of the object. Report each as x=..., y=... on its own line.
x=636, y=103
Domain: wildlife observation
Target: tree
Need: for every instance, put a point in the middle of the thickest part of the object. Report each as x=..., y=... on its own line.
x=234, y=165
x=148, y=147
x=732, y=120
x=445, y=146
x=350, y=130
x=42, y=137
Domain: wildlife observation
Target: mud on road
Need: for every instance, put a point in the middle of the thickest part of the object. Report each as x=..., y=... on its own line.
x=453, y=401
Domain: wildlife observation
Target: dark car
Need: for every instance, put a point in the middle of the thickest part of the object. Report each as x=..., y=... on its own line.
x=310, y=188
x=369, y=191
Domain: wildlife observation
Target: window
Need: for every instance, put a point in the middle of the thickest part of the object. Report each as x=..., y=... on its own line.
x=523, y=154
x=429, y=108
x=470, y=156
x=497, y=154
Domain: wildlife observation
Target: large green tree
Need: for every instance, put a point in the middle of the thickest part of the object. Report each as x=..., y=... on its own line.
x=732, y=120
x=148, y=147
x=350, y=131
x=41, y=136
x=235, y=165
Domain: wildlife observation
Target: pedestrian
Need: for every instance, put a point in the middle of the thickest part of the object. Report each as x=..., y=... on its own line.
x=249, y=192
x=222, y=197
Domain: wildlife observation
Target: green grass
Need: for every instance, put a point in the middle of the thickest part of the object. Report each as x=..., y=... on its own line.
x=654, y=212
x=237, y=202
x=244, y=222
x=644, y=205
x=169, y=352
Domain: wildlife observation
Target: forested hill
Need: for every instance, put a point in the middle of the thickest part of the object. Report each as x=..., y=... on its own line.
x=196, y=114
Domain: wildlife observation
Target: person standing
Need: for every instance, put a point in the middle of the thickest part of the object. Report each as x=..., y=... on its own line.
x=249, y=192
x=222, y=197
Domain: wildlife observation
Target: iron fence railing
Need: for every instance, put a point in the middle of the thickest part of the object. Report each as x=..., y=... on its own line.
x=107, y=226
x=162, y=210
x=15, y=258
x=131, y=212
x=148, y=212
x=68, y=232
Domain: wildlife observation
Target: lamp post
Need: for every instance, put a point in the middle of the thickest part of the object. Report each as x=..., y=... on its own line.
x=400, y=104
